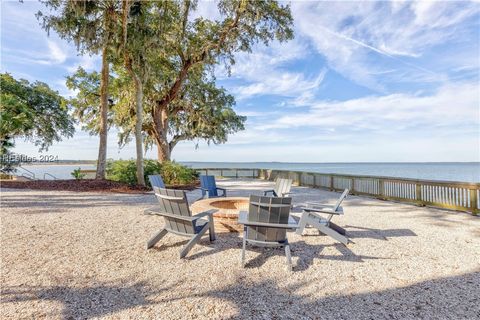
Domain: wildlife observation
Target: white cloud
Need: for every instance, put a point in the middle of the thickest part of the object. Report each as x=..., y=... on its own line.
x=360, y=39
x=87, y=62
x=266, y=72
x=455, y=107
x=57, y=54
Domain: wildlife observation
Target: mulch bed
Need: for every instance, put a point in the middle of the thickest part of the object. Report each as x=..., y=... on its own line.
x=84, y=185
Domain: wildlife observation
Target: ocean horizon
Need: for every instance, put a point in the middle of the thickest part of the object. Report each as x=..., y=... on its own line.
x=441, y=171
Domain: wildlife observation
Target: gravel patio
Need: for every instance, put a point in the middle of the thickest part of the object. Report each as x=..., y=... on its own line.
x=69, y=255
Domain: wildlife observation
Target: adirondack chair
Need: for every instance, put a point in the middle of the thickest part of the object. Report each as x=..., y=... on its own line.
x=312, y=215
x=209, y=187
x=266, y=224
x=282, y=188
x=156, y=181
x=179, y=220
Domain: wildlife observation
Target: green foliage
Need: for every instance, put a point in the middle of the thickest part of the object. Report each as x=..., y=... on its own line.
x=182, y=100
x=172, y=173
x=77, y=174
x=89, y=24
x=125, y=170
x=32, y=111
x=8, y=161
x=86, y=104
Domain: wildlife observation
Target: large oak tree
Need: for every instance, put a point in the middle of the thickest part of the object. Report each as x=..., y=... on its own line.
x=195, y=45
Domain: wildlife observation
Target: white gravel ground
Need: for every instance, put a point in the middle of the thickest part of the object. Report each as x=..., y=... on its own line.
x=67, y=255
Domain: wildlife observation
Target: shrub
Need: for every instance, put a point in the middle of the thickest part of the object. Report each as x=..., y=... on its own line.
x=175, y=173
x=77, y=174
x=126, y=170
x=172, y=173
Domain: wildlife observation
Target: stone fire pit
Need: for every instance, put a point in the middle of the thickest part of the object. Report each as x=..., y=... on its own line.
x=227, y=215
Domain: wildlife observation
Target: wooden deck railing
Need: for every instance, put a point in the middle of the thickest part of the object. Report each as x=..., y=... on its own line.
x=461, y=196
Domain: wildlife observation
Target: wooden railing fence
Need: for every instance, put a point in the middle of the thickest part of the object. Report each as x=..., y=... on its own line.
x=461, y=196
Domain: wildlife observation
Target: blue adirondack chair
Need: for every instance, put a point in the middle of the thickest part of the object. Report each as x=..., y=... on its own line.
x=209, y=187
x=156, y=181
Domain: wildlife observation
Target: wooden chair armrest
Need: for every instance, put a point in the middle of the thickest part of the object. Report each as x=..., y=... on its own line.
x=155, y=211
x=268, y=191
x=243, y=219
x=318, y=204
x=224, y=191
x=205, y=213
x=323, y=210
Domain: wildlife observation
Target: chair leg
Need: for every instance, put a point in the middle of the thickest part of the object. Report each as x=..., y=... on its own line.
x=332, y=233
x=159, y=235
x=192, y=242
x=211, y=228
x=289, y=256
x=302, y=223
x=244, y=246
x=337, y=228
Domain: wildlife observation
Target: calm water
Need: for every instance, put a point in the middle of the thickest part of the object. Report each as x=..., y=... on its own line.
x=451, y=171
x=60, y=171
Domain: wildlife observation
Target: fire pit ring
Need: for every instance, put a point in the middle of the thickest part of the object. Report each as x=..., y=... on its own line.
x=226, y=217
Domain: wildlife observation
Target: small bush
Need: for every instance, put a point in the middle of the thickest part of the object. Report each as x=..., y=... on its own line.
x=172, y=173
x=77, y=174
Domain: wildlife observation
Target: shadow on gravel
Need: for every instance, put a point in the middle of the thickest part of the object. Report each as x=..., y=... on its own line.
x=453, y=297
x=84, y=303
x=378, y=234
x=303, y=253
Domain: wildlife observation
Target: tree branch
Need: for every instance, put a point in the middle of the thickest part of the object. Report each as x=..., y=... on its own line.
x=176, y=139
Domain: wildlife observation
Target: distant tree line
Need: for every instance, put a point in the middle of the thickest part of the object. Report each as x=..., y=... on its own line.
x=156, y=84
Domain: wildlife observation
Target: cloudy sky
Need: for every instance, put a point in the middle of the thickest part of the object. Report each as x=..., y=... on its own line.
x=361, y=81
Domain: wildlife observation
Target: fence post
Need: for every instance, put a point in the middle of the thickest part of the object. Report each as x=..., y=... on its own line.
x=331, y=184
x=418, y=194
x=381, y=186
x=353, y=185
x=473, y=201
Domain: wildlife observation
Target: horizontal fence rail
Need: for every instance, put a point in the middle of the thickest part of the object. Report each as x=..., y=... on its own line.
x=461, y=196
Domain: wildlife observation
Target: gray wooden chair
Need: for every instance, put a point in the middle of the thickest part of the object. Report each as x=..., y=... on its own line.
x=282, y=188
x=179, y=220
x=266, y=224
x=156, y=181
x=312, y=215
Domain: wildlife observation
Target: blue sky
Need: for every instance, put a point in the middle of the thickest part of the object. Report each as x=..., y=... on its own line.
x=361, y=81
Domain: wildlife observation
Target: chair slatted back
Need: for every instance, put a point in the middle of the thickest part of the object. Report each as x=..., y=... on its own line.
x=339, y=201
x=208, y=182
x=175, y=202
x=282, y=186
x=156, y=181
x=269, y=210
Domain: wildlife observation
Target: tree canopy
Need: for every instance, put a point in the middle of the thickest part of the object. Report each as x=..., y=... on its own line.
x=33, y=111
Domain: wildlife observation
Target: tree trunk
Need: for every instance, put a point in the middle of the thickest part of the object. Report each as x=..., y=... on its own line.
x=160, y=120
x=163, y=151
x=138, y=129
x=102, y=149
